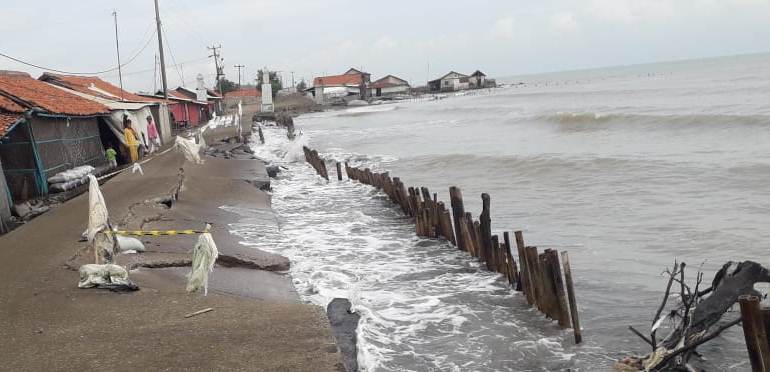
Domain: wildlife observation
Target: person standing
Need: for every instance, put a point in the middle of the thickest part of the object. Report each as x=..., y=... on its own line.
x=131, y=141
x=152, y=132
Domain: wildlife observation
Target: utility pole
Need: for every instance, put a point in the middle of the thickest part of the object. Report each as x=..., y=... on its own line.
x=160, y=49
x=215, y=54
x=292, y=80
x=239, y=67
x=117, y=48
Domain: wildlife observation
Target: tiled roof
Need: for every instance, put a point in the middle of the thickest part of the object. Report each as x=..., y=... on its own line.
x=6, y=120
x=35, y=93
x=386, y=82
x=253, y=92
x=92, y=85
x=7, y=105
x=348, y=79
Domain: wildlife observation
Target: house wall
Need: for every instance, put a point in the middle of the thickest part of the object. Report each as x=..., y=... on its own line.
x=19, y=163
x=5, y=203
x=400, y=89
x=66, y=143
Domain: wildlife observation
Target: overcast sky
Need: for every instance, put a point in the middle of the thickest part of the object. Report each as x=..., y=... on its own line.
x=403, y=38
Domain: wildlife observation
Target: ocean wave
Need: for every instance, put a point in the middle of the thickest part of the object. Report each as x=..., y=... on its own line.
x=669, y=119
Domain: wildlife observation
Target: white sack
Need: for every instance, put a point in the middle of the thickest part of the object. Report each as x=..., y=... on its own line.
x=93, y=275
x=127, y=243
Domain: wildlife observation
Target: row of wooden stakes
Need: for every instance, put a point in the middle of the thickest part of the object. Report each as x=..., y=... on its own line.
x=539, y=275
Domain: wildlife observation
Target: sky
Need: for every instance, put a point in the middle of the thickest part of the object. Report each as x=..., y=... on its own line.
x=415, y=40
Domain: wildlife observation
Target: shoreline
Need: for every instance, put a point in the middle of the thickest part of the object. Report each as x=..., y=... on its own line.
x=258, y=321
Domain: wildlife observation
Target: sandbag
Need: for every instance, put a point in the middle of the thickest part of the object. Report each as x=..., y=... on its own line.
x=72, y=174
x=67, y=185
x=127, y=243
x=105, y=276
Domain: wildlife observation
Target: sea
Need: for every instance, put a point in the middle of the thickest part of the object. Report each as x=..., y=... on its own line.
x=629, y=169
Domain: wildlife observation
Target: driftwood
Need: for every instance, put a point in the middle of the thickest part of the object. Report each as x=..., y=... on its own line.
x=697, y=314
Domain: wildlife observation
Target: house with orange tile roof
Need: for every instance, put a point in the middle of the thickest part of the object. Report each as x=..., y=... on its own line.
x=123, y=105
x=249, y=96
x=353, y=84
x=45, y=130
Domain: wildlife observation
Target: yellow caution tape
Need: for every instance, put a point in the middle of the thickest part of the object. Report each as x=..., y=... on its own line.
x=156, y=232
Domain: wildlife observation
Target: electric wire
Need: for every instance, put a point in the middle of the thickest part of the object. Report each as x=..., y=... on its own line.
x=129, y=61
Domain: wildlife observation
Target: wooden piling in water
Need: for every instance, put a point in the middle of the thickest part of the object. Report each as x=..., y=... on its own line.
x=560, y=293
x=573, y=309
x=458, y=213
x=526, y=274
x=539, y=276
x=755, y=333
x=533, y=265
x=485, y=224
x=515, y=276
x=492, y=258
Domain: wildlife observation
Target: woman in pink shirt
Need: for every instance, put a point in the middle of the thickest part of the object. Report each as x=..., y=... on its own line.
x=152, y=133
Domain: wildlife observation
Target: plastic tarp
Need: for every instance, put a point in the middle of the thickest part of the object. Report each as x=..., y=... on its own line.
x=190, y=149
x=205, y=255
x=97, y=209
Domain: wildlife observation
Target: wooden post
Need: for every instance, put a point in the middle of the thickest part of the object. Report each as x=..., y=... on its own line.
x=754, y=333
x=526, y=274
x=485, y=223
x=261, y=136
x=492, y=259
x=533, y=264
x=339, y=171
x=561, y=295
x=573, y=310
x=467, y=236
x=515, y=277
x=549, y=294
x=477, y=236
x=458, y=212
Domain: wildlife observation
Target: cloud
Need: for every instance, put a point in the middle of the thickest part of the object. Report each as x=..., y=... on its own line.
x=385, y=42
x=564, y=23
x=628, y=11
x=504, y=28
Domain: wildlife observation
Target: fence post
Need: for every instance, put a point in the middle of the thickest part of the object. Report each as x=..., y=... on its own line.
x=755, y=334
x=573, y=310
x=485, y=223
x=458, y=212
x=339, y=171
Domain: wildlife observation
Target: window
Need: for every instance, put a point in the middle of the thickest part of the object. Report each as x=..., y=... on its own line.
x=446, y=82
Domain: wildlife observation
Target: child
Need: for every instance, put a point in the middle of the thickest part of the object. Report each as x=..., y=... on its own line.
x=110, y=154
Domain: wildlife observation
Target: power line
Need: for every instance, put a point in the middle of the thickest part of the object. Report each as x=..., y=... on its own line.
x=80, y=73
x=173, y=59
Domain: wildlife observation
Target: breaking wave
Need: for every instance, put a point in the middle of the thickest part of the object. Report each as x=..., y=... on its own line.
x=623, y=118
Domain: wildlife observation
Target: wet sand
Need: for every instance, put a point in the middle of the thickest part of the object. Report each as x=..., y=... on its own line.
x=258, y=324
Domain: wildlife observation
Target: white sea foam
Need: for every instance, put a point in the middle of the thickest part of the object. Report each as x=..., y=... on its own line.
x=424, y=305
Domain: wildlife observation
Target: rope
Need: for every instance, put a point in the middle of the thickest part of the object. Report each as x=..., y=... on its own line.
x=156, y=232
